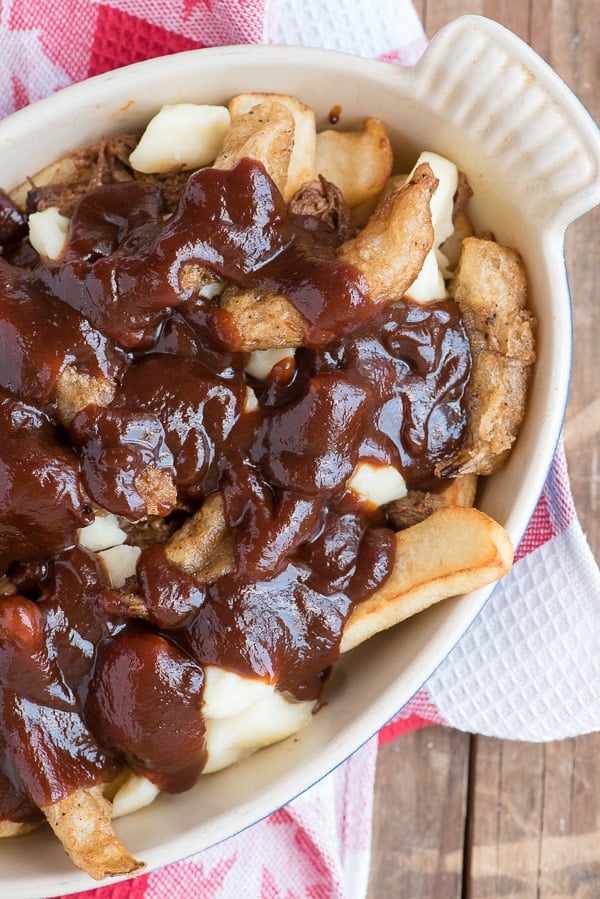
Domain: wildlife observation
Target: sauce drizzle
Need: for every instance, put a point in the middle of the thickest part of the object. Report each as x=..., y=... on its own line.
x=99, y=680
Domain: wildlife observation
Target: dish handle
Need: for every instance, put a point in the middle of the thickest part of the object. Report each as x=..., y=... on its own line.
x=519, y=112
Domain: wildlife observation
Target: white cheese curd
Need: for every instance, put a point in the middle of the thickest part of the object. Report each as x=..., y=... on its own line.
x=120, y=562
x=250, y=400
x=210, y=291
x=136, y=793
x=227, y=693
x=377, y=484
x=48, y=232
x=257, y=717
x=261, y=362
x=429, y=284
x=102, y=533
x=270, y=720
x=183, y=134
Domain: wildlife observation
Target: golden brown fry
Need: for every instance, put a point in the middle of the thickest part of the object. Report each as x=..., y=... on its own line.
x=463, y=226
x=264, y=321
x=453, y=551
x=389, y=251
x=265, y=134
x=460, y=491
x=76, y=390
x=391, y=248
x=358, y=162
x=302, y=160
x=490, y=287
x=220, y=562
x=16, y=828
x=158, y=491
x=192, y=546
x=82, y=822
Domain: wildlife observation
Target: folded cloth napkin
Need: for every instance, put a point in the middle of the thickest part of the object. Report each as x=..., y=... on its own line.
x=528, y=666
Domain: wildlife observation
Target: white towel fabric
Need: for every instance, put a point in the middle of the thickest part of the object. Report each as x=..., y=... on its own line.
x=529, y=665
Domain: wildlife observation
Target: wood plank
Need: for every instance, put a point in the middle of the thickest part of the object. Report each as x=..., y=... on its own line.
x=535, y=820
x=438, y=13
x=571, y=46
x=534, y=823
x=418, y=833
x=573, y=864
x=557, y=838
x=506, y=813
x=582, y=429
x=515, y=16
x=567, y=791
x=419, y=6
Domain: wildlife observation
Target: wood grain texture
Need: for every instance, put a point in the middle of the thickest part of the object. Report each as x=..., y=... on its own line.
x=567, y=33
x=506, y=817
x=419, y=830
x=528, y=815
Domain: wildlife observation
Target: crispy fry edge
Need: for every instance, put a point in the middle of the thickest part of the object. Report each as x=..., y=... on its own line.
x=453, y=551
x=82, y=822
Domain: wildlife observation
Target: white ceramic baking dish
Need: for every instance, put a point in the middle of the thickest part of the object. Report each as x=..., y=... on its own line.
x=532, y=155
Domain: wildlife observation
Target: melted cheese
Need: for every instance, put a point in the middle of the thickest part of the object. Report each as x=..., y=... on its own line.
x=261, y=362
x=120, y=563
x=102, y=533
x=377, y=484
x=135, y=793
x=242, y=715
x=227, y=694
x=184, y=134
x=48, y=232
x=429, y=285
x=267, y=721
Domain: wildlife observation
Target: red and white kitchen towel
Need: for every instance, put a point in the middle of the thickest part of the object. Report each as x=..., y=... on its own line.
x=529, y=665
x=46, y=45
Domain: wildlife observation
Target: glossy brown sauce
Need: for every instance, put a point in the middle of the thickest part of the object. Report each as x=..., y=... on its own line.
x=13, y=222
x=85, y=684
x=42, y=502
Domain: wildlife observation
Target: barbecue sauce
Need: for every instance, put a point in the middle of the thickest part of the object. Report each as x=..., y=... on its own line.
x=87, y=681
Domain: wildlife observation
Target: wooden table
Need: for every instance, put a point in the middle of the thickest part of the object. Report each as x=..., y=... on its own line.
x=472, y=817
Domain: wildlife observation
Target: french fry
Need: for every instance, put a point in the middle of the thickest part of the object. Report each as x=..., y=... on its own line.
x=443, y=545
x=266, y=134
x=391, y=248
x=16, y=828
x=264, y=321
x=389, y=251
x=302, y=165
x=359, y=162
x=460, y=491
x=193, y=544
x=82, y=822
x=453, y=551
x=490, y=287
x=75, y=390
